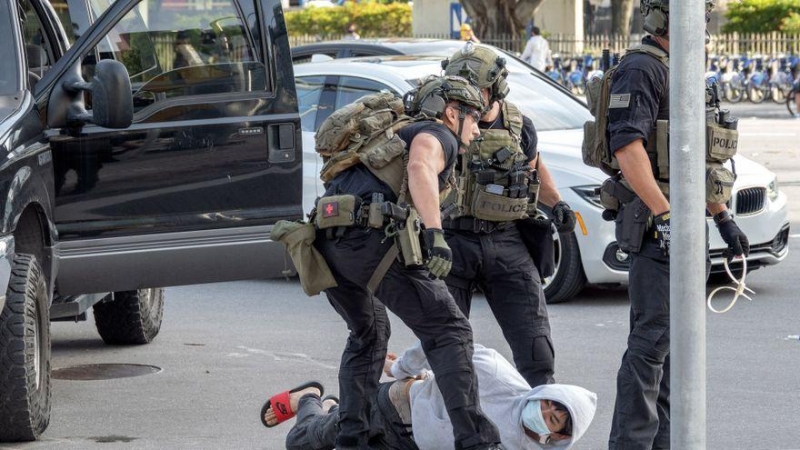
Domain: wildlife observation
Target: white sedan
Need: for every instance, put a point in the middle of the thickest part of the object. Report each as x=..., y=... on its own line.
x=590, y=253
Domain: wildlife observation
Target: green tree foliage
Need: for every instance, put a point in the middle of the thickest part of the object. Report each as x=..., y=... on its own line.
x=373, y=19
x=763, y=16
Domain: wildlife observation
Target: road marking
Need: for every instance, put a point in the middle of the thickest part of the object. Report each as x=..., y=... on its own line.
x=794, y=235
x=283, y=356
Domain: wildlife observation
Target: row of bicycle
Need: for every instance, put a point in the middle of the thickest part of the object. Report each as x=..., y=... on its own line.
x=753, y=78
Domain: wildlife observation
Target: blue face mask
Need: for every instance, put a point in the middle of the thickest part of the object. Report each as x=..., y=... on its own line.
x=533, y=420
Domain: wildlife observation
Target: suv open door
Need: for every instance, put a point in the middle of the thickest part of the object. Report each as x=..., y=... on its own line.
x=188, y=193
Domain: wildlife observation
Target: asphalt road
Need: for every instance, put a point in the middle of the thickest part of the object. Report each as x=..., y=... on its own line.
x=224, y=348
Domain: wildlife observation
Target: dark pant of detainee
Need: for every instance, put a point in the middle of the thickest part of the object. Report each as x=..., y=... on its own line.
x=498, y=263
x=427, y=308
x=317, y=430
x=641, y=413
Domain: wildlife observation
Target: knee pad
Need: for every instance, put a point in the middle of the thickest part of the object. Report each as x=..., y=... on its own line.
x=543, y=349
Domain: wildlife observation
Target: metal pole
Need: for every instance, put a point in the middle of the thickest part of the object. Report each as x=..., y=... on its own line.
x=687, y=206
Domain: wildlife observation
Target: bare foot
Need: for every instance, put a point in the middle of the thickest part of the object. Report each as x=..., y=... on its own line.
x=328, y=404
x=294, y=400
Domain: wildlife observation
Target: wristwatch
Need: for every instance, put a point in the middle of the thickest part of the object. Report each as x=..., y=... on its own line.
x=722, y=217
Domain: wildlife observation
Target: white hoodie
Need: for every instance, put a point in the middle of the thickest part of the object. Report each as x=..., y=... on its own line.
x=503, y=394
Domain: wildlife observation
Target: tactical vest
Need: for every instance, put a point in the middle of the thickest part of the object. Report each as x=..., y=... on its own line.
x=496, y=183
x=720, y=146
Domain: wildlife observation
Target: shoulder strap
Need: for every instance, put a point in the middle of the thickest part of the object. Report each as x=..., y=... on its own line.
x=651, y=50
x=512, y=119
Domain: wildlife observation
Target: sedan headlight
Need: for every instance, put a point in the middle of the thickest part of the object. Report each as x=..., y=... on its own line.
x=772, y=189
x=590, y=193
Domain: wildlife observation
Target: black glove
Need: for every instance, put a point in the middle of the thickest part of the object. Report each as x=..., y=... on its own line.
x=563, y=217
x=440, y=257
x=737, y=242
x=661, y=228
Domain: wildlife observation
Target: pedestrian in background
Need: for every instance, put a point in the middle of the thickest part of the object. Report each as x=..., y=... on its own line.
x=537, y=50
x=352, y=32
x=467, y=34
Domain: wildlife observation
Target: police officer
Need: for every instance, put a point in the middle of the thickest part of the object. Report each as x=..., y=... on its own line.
x=639, y=99
x=499, y=178
x=420, y=300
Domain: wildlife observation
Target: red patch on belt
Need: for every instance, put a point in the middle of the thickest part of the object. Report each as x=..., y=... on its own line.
x=331, y=210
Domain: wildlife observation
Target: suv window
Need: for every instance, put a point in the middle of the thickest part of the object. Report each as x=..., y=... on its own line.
x=196, y=52
x=37, y=48
x=8, y=72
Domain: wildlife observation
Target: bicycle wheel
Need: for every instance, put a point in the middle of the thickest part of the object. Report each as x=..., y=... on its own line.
x=733, y=93
x=791, y=103
x=757, y=94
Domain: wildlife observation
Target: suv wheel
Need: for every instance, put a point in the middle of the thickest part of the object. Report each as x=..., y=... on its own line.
x=131, y=318
x=25, y=353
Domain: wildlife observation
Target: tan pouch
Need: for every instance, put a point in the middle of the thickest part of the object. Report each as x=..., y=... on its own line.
x=498, y=208
x=298, y=238
x=719, y=183
x=721, y=143
x=379, y=156
x=607, y=198
x=336, y=211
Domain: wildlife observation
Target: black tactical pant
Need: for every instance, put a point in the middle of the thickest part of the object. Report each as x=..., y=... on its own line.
x=499, y=264
x=427, y=308
x=641, y=413
x=316, y=430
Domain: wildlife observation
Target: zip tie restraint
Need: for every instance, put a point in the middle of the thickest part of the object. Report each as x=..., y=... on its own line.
x=739, y=290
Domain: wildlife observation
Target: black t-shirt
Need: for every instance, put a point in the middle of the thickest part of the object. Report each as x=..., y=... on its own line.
x=639, y=91
x=529, y=141
x=359, y=181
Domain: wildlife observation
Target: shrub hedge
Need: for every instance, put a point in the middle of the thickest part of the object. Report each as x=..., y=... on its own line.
x=373, y=19
x=763, y=16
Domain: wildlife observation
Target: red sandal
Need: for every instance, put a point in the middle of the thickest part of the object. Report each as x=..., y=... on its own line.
x=280, y=404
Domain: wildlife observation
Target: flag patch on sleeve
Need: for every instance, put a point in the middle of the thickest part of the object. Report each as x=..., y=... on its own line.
x=619, y=101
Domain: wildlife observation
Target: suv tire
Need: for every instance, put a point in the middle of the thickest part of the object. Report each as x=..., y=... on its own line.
x=25, y=387
x=131, y=318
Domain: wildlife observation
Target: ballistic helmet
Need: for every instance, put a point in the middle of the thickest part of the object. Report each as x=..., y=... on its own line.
x=435, y=92
x=482, y=67
x=656, y=15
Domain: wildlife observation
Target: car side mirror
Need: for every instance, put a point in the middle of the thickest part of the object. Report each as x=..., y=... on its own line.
x=112, y=99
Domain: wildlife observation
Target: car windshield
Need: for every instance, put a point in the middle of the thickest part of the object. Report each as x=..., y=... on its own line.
x=547, y=106
x=8, y=72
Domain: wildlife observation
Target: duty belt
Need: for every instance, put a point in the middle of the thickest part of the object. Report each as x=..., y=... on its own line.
x=475, y=225
x=361, y=220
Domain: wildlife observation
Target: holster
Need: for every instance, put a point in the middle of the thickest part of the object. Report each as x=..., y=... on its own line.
x=537, y=235
x=408, y=239
x=632, y=222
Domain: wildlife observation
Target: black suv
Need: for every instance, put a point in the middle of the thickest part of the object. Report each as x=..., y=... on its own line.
x=144, y=144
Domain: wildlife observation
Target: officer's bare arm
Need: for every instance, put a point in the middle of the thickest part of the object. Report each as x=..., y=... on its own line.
x=548, y=191
x=716, y=208
x=635, y=165
x=425, y=162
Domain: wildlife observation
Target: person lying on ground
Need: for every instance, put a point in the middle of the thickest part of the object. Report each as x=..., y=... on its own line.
x=409, y=413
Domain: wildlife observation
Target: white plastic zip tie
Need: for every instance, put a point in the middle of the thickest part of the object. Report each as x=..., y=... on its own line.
x=739, y=289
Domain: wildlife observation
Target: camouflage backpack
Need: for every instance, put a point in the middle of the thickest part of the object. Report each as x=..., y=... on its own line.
x=365, y=132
